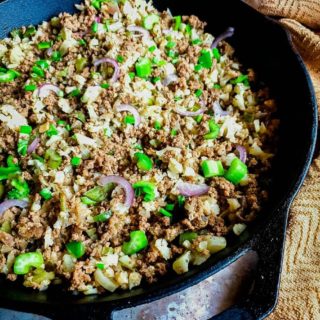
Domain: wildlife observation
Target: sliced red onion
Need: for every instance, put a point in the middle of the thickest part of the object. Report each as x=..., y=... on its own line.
x=190, y=190
x=115, y=65
x=97, y=19
x=122, y=182
x=33, y=145
x=218, y=112
x=44, y=90
x=242, y=153
x=190, y=113
x=132, y=110
x=7, y=204
x=169, y=79
x=139, y=30
x=227, y=34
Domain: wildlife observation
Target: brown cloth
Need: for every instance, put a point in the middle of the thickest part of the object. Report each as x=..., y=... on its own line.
x=300, y=281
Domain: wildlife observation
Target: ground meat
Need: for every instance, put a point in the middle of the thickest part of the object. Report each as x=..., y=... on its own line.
x=6, y=239
x=28, y=229
x=195, y=22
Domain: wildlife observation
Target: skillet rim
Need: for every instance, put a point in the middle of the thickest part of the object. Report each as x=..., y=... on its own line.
x=243, y=248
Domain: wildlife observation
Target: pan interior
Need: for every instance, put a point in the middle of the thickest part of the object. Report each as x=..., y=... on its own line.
x=259, y=44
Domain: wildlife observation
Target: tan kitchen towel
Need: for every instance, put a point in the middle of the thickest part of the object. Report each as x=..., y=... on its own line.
x=300, y=283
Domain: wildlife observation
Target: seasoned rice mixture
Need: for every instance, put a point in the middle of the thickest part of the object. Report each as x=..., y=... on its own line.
x=132, y=145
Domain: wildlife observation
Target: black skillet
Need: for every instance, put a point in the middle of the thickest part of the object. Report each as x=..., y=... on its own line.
x=262, y=44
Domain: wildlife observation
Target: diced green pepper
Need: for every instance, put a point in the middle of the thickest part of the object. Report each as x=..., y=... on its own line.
x=46, y=194
x=52, y=131
x=97, y=194
x=214, y=130
x=94, y=27
x=187, y=236
x=143, y=67
x=188, y=29
x=38, y=71
x=44, y=45
x=129, y=120
x=54, y=160
x=74, y=93
x=152, y=48
x=169, y=206
x=25, y=261
x=30, y=87
x=102, y=217
x=5, y=173
x=100, y=266
x=7, y=76
x=144, y=163
x=237, y=171
x=30, y=31
x=75, y=161
x=82, y=42
x=211, y=168
x=198, y=93
x=205, y=59
x=105, y=85
x=25, y=129
x=181, y=200
x=22, y=147
x=81, y=63
x=138, y=241
x=56, y=56
x=177, y=22
x=20, y=189
x=173, y=132
x=241, y=79
x=76, y=248
x=150, y=20
x=216, y=54
x=43, y=64
x=165, y=212
x=157, y=125
x=146, y=188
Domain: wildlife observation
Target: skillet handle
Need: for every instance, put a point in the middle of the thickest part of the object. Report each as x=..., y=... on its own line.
x=263, y=297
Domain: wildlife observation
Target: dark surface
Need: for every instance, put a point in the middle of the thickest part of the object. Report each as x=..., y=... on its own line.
x=263, y=45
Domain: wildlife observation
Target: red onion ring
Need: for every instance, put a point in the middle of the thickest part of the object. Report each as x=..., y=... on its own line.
x=33, y=145
x=115, y=65
x=216, y=107
x=97, y=19
x=227, y=34
x=44, y=90
x=242, y=153
x=190, y=190
x=132, y=110
x=169, y=79
x=129, y=192
x=140, y=30
x=190, y=113
x=7, y=204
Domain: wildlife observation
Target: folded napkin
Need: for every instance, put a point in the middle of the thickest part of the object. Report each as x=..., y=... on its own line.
x=300, y=281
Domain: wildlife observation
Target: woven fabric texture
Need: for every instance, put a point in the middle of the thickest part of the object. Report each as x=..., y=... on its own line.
x=300, y=281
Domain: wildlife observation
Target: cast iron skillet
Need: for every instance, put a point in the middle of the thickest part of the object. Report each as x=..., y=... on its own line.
x=262, y=44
